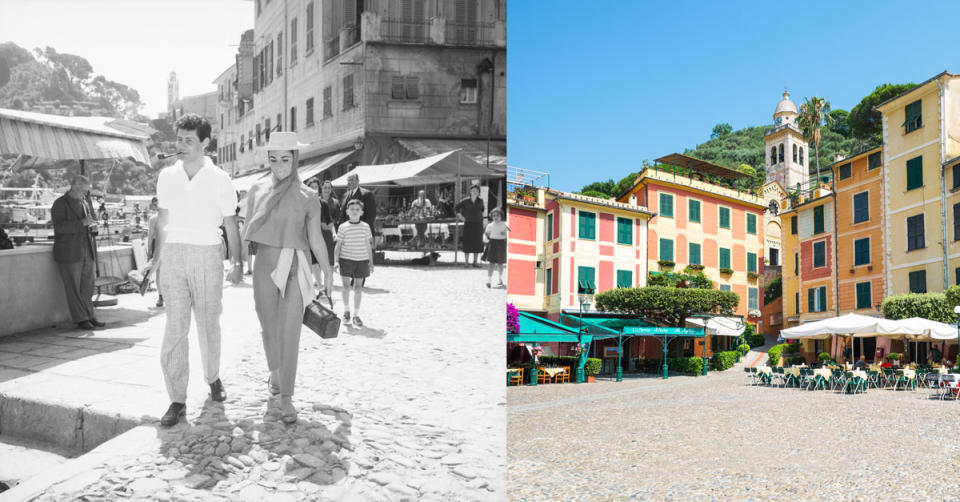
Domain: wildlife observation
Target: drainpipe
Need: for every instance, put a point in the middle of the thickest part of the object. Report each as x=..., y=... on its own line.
x=943, y=194
x=836, y=264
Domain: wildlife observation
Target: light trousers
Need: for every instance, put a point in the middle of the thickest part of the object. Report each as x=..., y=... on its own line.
x=281, y=317
x=192, y=278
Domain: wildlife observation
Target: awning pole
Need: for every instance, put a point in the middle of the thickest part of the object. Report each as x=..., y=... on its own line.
x=456, y=226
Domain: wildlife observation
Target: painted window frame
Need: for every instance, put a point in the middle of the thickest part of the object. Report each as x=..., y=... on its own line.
x=853, y=202
x=625, y=223
x=660, y=198
x=869, y=295
x=720, y=211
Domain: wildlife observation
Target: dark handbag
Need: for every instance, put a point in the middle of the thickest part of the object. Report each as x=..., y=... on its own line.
x=486, y=252
x=321, y=320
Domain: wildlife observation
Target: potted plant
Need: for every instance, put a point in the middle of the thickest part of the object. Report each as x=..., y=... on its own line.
x=591, y=369
x=666, y=263
x=726, y=270
x=752, y=275
x=893, y=357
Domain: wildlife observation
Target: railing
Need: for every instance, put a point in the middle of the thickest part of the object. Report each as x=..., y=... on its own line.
x=405, y=31
x=469, y=33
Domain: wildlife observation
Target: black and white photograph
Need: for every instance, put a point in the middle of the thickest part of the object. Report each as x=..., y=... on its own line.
x=253, y=250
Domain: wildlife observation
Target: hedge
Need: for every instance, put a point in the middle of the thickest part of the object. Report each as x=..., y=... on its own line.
x=665, y=304
x=590, y=368
x=723, y=360
x=753, y=339
x=933, y=306
x=692, y=365
x=774, y=354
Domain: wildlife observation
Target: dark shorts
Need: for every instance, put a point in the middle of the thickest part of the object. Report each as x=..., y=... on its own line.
x=355, y=269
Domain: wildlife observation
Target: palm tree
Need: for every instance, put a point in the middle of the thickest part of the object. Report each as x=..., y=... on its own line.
x=814, y=114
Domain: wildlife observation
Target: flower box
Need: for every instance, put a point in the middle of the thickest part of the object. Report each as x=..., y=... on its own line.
x=666, y=263
x=752, y=275
x=726, y=271
x=694, y=266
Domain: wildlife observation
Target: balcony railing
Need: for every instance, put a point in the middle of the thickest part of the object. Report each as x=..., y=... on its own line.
x=469, y=34
x=405, y=31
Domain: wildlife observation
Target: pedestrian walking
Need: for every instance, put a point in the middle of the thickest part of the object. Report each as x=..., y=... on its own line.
x=195, y=198
x=74, y=251
x=496, y=234
x=152, y=237
x=355, y=192
x=330, y=210
x=284, y=219
x=354, y=255
x=470, y=211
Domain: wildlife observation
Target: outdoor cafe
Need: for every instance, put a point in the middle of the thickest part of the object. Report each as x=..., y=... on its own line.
x=858, y=377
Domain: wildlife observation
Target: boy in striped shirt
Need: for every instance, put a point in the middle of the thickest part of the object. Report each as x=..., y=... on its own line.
x=354, y=256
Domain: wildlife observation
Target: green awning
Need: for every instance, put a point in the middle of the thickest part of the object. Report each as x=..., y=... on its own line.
x=537, y=329
x=586, y=286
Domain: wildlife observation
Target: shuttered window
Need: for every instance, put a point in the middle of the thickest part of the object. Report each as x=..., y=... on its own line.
x=588, y=225
x=585, y=280
x=913, y=118
x=844, y=172
x=666, y=205
x=864, y=299
x=753, y=299
x=874, y=161
x=751, y=223
x=724, y=217
x=348, y=92
x=918, y=281
x=861, y=207
x=327, y=101
x=624, y=231
x=624, y=279
x=293, y=41
x=309, y=23
x=818, y=220
x=796, y=263
x=751, y=262
x=666, y=249
x=794, y=225
x=956, y=222
x=820, y=254
x=724, y=258
x=693, y=211
x=914, y=173
x=550, y=227
x=915, y=237
x=861, y=251
x=724, y=287
x=549, y=286
x=695, y=254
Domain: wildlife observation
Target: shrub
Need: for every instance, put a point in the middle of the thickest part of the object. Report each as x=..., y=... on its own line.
x=666, y=263
x=592, y=366
x=953, y=296
x=666, y=306
x=797, y=360
x=893, y=356
x=723, y=360
x=823, y=356
x=743, y=348
x=791, y=349
x=933, y=306
x=756, y=340
x=772, y=290
x=774, y=354
x=693, y=365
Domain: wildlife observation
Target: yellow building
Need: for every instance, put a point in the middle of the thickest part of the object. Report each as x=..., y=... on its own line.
x=921, y=146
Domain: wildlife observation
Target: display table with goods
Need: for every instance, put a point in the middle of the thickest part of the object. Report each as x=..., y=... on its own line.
x=409, y=231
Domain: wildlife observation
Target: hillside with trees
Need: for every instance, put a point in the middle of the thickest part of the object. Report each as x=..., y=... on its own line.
x=841, y=132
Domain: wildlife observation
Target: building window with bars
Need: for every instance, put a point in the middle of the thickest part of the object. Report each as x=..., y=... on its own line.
x=348, y=92
x=327, y=101
x=468, y=91
x=309, y=112
x=293, y=41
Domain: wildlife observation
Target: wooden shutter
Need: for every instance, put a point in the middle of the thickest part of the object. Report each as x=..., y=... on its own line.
x=811, y=300
x=956, y=222
x=863, y=295
x=666, y=249
x=349, y=12
x=327, y=20
x=818, y=219
x=413, y=87
x=751, y=223
x=693, y=210
x=914, y=173
x=823, y=299
x=695, y=254
x=751, y=262
x=861, y=251
x=396, y=88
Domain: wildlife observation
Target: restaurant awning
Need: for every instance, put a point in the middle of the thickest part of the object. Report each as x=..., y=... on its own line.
x=701, y=166
x=853, y=325
x=312, y=169
x=443, y=168
x=537, y=329
x=56, y=137
x=475, y=149
x=243, y=182
x=719, y=326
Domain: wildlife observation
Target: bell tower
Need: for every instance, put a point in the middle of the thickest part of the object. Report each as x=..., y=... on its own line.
x=785, y=149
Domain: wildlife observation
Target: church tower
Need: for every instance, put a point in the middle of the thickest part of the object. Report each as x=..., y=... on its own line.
x=786, y=153
x=173, y=91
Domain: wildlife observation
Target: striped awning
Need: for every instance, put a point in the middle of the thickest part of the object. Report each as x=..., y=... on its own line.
x=68, y=138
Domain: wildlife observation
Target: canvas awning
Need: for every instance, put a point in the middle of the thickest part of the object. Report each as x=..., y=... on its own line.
x=475, y=149
x=312, y=169
x=56, y=137
x=537, y=329
x=243, y=182
x=442, y=168
x=720, y=326
x=852, y=325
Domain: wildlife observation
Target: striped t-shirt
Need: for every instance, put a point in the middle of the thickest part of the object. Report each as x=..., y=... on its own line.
x=354, y=240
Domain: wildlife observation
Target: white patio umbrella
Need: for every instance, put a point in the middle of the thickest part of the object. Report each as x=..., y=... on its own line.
x=851, y=325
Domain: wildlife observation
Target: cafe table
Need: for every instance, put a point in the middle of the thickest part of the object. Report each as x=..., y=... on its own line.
x=552, y=372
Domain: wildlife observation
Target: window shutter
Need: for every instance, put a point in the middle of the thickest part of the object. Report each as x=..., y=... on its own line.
x=396, y=88
x=349, y=12
x=666, y=249
x=413, y=87
x=793, y=225
x=666, y=205
x=751, y=262
x=956, y=222
x=751, y=223
x=724, y=258
x=823, y=299
x=914, y=173
x=861, y=251
x=818, y=219
x=873, y=161
x=693, y=211
x=861, y=207
x=548, y=290
x=695, y=254
x=724, y=217
x=811, y=300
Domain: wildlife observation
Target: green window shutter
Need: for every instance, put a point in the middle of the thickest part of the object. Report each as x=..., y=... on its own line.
x=549, y=289
x=861, y=251
x=624, y=231
x=753, y=302
x=861, y=207
x=956, y=176
x=751, y=223
x=956, y=279
x=864, y=299
x=918, y=281
x=819, y=254
x=844, y=172
x=823, y=299
x=666, y=205
x=724, y=217
x=694, y=258
x=873, y=161
x=550, y=227
x=915, y=173
x=796, y=263
x=585, y=280
x=693, y=211
x=724, y=258
x=811, y=300
x=624, y=279
x=794, y=225
x=751, y=262
x=818, y=219
x=912, y=116
x=666, y=249
x=587, y=225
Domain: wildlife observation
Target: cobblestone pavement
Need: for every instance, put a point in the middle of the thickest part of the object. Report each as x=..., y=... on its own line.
x=715, y=438
x=408, y=407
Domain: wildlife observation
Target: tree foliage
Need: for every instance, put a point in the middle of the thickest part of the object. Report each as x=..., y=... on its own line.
x=814, y=115
x=721, y=130
x=865, y=122
x=840, y=124
x=933, y=306
x=666, y=306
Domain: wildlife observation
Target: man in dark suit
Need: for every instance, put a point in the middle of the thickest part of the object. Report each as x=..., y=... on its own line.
x=366, y=196
x=73, y=250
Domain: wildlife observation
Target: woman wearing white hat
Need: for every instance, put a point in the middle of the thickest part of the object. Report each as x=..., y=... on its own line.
x=284, y=219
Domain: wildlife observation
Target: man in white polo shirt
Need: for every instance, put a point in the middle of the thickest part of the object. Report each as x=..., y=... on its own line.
x=195, y=198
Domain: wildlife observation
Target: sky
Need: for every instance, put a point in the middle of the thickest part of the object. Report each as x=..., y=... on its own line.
x=136, y=42
x=592, y=91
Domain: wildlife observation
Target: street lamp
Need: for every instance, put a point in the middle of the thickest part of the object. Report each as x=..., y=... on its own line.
x=956, y=310
x=584, y=298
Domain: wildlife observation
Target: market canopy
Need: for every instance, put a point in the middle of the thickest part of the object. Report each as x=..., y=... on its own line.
x=312, y=169
x=57, y=137
x=442, y=168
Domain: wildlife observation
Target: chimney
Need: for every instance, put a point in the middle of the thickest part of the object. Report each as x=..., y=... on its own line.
x=838, y=157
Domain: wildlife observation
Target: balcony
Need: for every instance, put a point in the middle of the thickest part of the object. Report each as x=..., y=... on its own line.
x=405, y=31
x=470, y=34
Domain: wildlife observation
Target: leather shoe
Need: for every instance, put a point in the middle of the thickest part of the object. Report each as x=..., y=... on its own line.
x=216, y=391
x=173, y=414
x=97, y=324
x=86, y=325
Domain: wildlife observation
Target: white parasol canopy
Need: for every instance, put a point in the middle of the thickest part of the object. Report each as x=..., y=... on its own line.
x=721, y=326
x=851, y=325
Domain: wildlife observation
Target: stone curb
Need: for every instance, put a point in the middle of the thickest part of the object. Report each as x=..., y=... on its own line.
x=132, y=442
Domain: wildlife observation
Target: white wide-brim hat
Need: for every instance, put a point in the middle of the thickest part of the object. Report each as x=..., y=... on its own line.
x=284, y=141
